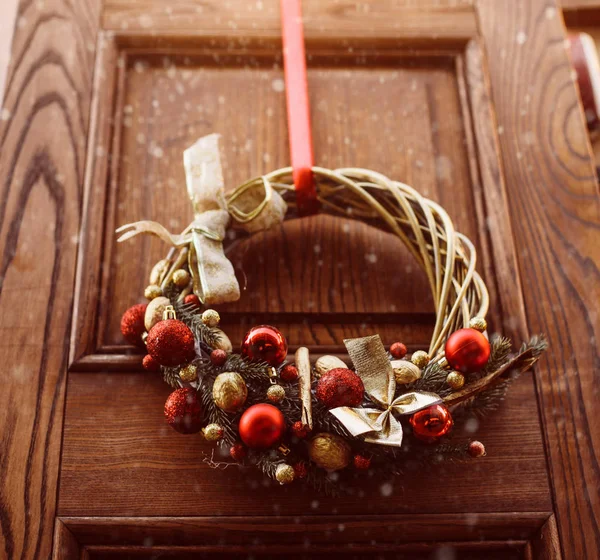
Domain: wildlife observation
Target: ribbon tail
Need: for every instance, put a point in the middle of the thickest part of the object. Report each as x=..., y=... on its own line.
x=409, y=403
x=358, y=421
x=152, y=228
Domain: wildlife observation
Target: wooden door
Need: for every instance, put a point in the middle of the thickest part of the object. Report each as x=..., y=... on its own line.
x=473, y=103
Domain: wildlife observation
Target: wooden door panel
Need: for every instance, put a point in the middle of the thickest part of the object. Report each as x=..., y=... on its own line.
x=446, y=95
x=421, y=116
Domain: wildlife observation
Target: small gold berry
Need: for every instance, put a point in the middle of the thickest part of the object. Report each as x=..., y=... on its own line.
x=455, y=380
x=420, y=358
x=181, y=278
x=152, y=291
x=213, y=432
x=210, y=318
x=478, y=323
x=275, y=393
x=285, y=473
x=188, y=374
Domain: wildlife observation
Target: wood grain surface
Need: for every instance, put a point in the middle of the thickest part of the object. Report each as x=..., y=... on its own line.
x=42, y=151
x=8, y=12
x=555, y=209
x=120, y=458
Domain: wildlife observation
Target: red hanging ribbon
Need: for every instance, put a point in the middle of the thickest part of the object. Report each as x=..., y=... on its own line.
x=296, y=89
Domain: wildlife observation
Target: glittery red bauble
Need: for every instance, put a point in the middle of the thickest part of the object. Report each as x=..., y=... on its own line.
x=361, y=462
x=261, y=426
x=300, y=469
x=183, y=411
x=192, y=299
x=171, y=343
x=132, y=324
x=150, y=364
x=476, y=449
x=467, y=350
x=238, y=452
x=266, y=344
x=218, y=357
x=300, y=430
x=398, y=350
x=431, y=423
x=289, y=372
x=340, y=387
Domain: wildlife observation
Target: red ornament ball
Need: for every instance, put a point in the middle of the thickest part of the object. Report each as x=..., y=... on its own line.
x=340, y=387
x=183, y=411
x=289, y=372
x=266, y=344
x=132, y=324
x=171, y=343
x=300, y=469
x=467, y=350
x=431, y=423
x=261, y=426
x=361, y=462
x=398, y=350
x=218, y=357
x=192, y=299
x=150, y=364
x=238, y=452
x=300, y=430
x=476, y=449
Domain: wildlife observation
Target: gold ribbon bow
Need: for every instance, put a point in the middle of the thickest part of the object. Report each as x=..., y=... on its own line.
x=380, y=424
x=216, y=281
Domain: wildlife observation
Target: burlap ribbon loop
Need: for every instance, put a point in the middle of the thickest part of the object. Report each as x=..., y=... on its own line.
x=379, y=425
x=253, y=212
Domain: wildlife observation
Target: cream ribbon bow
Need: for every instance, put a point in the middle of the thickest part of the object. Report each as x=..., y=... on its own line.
x=216, y=281
x=379, y=424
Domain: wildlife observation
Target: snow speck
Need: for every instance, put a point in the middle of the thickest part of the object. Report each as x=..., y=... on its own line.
x=550, y=12
x=5, y=114
x=278, y=85
x=221, y=100
x=521, y=37
x=500, y=130
x=386, y=489
x=371, y=258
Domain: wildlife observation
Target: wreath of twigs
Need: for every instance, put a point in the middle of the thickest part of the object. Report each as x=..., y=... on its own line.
x=448, y=259
x=447, y=256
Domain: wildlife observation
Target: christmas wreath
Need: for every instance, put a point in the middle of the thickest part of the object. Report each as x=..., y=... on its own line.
x=292, y=418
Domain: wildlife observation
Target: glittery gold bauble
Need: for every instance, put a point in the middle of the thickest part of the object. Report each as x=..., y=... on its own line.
x=478, y=323
x=181, y=278
x=329, y=451
x=152, y=291
x=210, y=318
x=159, y=271
x=405, y=371
x=455, y=380
x=420, y=358
x=213, y=432
x=154, y=311
x=285, y=473
x=275, y=393
x=230, y=391
x=223, y=342
x=188, y=374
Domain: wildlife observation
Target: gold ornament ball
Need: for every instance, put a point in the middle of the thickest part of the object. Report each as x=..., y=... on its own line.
x=420, y=358
x=230, y=391
x=152, y=291
x=478, y=323
x=329, y=451
x=188, y=374
x=455, y=380
x=210, y=318
x=213, y=432
x=275, y=393
x=181, y=278
x=285, y=474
